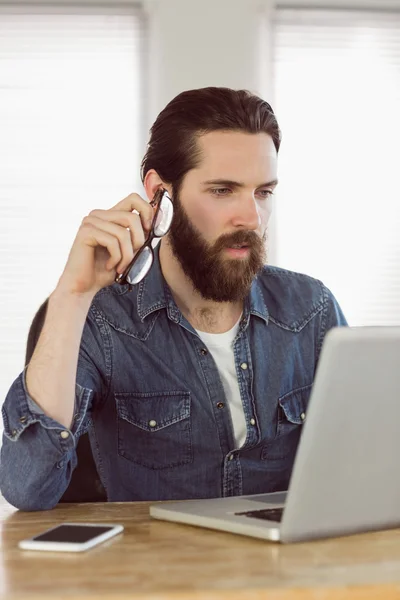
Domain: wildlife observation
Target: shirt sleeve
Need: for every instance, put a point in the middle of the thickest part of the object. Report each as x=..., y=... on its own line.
x=38, y=454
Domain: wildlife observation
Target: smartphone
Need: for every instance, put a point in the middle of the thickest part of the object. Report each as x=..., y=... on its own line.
x=71, y=537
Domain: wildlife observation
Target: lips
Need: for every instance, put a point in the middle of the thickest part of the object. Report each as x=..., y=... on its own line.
x=238, y=252
x=243, y=240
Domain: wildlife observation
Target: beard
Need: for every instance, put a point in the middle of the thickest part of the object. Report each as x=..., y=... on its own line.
x=212, y=274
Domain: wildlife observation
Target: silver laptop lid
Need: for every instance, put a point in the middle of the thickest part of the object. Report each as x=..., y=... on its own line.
x=346, y=473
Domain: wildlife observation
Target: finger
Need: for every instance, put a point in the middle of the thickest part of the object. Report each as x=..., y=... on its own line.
x=137, y=233
x=129, y=241
x=136, y=202
x=123, y=219
x=94, y=237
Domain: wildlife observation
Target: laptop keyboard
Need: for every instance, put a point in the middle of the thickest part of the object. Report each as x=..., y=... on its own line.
x=268, y=514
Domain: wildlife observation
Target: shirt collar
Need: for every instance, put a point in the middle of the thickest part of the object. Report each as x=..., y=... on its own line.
x=154, y=294
x=255, y=303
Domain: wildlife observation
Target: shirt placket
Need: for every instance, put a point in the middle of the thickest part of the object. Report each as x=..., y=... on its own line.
x=232, y=484
x=216, y=395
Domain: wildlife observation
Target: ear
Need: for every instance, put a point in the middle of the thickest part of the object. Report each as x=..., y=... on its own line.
x=152, y=182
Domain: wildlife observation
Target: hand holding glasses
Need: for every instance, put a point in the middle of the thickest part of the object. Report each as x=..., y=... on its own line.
x=144, y=258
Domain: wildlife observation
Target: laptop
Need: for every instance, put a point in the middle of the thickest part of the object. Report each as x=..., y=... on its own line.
x=346, y=476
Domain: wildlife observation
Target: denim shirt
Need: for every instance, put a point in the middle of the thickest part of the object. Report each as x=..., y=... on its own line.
x=149, y=394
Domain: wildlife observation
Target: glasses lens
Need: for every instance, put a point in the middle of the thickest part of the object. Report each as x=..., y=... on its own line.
x=164, y=217
x=141, y=266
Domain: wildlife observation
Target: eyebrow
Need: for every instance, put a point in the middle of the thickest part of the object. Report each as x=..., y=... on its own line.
x=237, y=184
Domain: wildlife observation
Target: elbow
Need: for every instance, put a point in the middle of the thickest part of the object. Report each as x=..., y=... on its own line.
x=24, y=498
x=28, y=504
x=39, y=491
x=32, y=485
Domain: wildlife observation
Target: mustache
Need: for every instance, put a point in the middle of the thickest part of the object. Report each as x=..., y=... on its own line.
x=246, y=238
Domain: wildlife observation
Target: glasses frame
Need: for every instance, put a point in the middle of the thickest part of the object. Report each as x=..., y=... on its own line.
x=121, y=279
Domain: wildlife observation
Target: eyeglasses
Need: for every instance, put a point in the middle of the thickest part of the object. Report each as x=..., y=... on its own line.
x=144, y=258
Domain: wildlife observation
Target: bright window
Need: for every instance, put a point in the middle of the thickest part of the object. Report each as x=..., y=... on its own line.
x=71, y=109
x=337, y=99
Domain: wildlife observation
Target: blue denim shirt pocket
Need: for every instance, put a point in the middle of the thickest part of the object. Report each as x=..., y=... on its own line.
x=154, y=428
x=292, y=409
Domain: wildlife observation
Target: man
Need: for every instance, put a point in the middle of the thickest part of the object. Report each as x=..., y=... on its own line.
x=195, y=382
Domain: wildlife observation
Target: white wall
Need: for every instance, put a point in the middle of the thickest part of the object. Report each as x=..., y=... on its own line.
x=197, y=44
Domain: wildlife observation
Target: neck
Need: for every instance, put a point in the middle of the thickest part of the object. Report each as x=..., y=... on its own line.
x=204, y=315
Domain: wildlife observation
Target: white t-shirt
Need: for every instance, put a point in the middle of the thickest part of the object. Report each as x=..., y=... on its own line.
x=221, y=347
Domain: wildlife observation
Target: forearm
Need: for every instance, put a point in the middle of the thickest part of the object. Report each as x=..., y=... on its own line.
x=51, y=374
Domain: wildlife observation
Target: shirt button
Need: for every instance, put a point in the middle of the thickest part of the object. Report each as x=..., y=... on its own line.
x=64, y=435
x=14, y=432
x=152, y=423
x=252, y=422
x=203, y=351
x=243, y=366
x=231, y=457
x=22, y=420
x=220, y=405
x=303, y=416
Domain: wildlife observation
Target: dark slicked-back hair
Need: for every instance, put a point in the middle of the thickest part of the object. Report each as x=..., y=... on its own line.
x=173, y=151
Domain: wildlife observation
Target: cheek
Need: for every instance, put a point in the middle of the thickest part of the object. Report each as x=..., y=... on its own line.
x=206, y=221
x=265, y=213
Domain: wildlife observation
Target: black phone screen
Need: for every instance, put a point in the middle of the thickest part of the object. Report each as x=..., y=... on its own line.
x=73, y=534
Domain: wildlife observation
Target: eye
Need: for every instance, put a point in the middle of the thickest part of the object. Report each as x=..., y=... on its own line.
x=221, y=191
x=265, y=193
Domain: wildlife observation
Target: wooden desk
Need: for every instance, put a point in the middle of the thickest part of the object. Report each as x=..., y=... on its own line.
x=160, y=560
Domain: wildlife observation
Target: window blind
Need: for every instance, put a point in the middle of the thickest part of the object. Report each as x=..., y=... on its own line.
x=71, y=108
x=337, y=98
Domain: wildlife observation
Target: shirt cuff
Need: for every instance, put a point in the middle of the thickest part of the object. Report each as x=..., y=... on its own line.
x=20, y=411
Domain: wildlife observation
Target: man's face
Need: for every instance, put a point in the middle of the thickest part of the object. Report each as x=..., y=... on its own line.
x=222, y=211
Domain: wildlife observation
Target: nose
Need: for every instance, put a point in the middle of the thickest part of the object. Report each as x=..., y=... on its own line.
x=247, y=215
